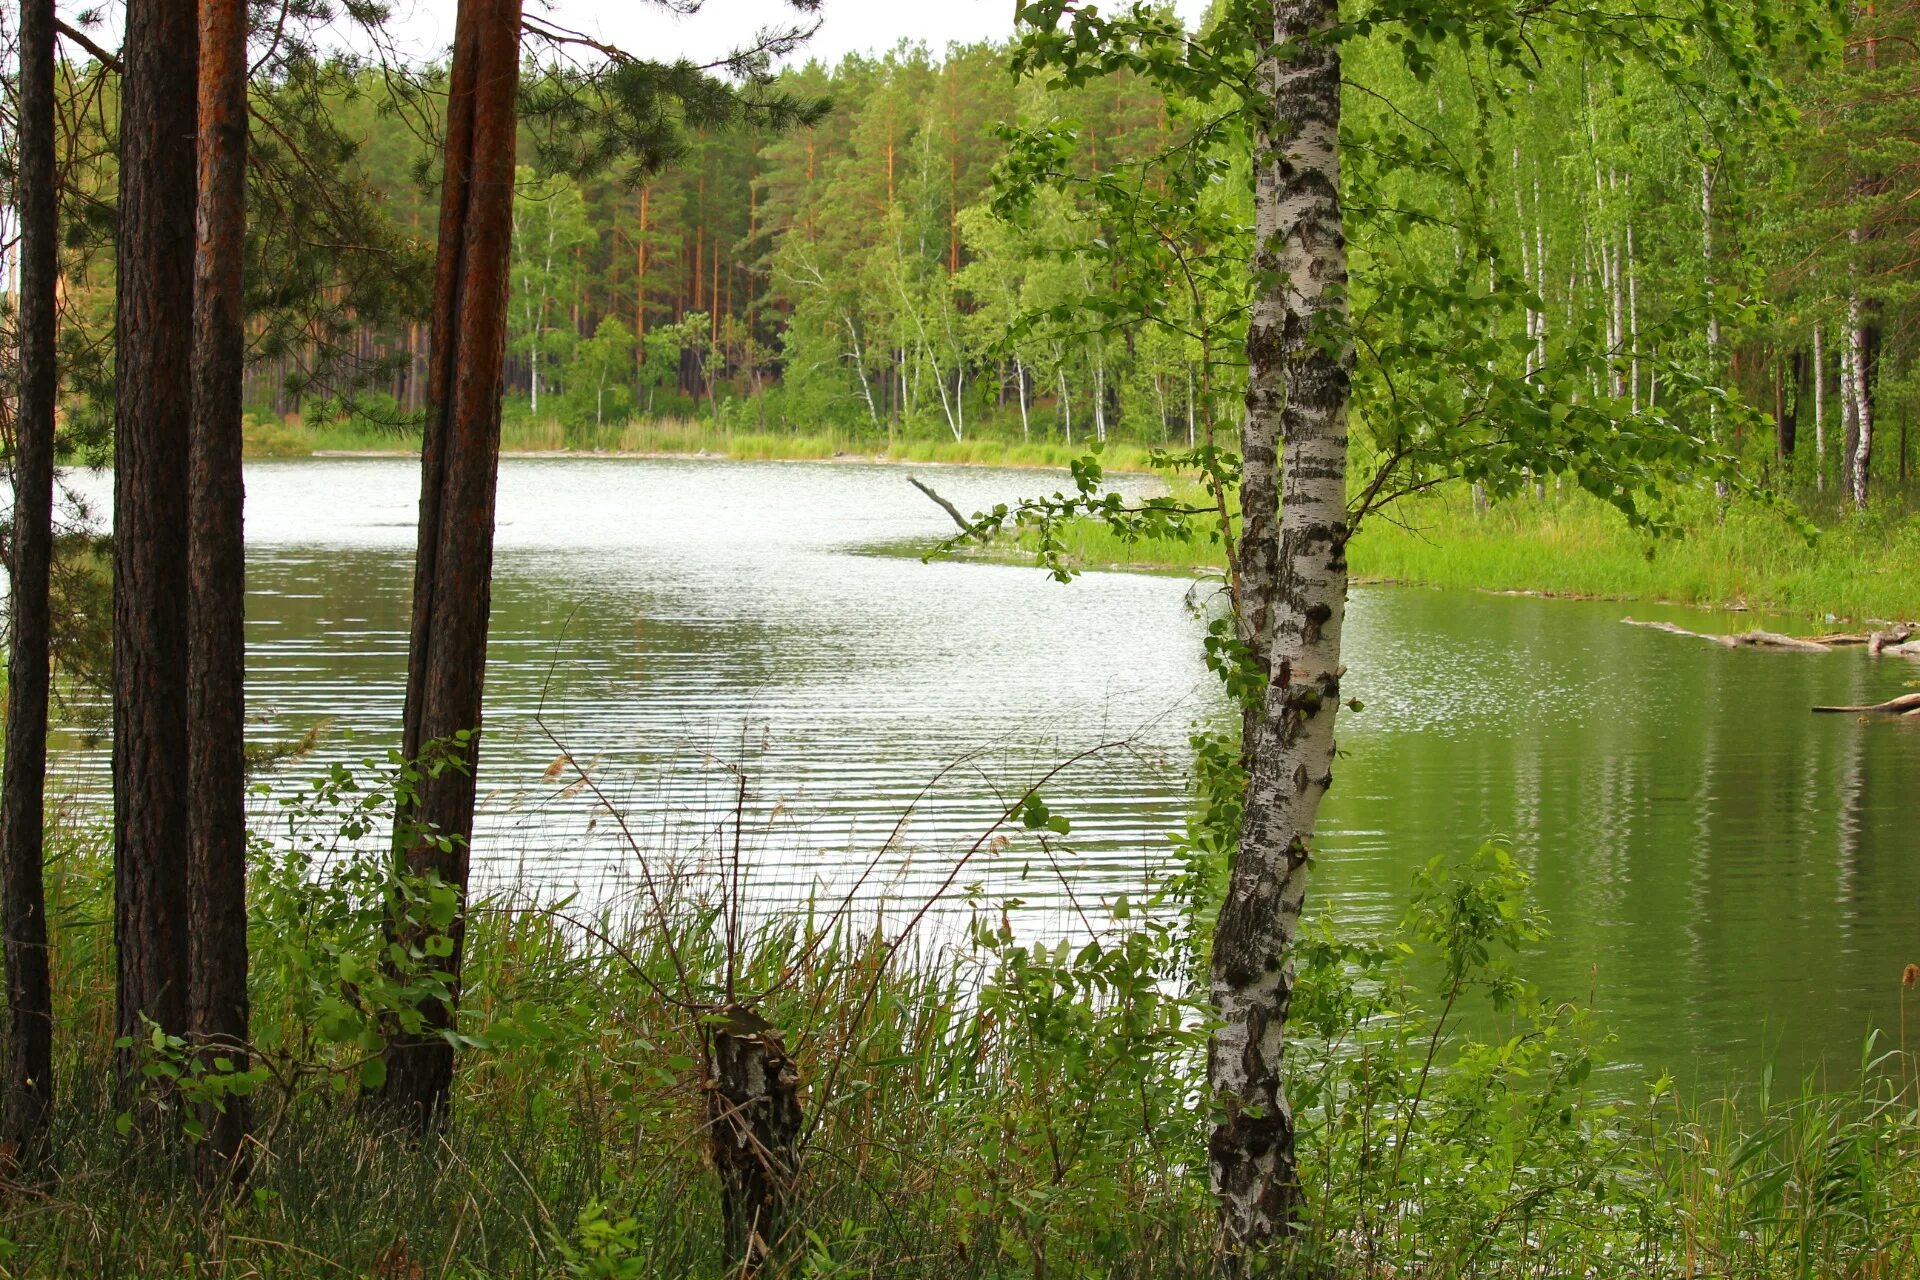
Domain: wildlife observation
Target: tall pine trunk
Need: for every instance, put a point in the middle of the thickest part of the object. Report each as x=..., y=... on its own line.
x=152, y=419
x=216, y=570
x=29, y=1067
x=1294, y=592
x=459, y=467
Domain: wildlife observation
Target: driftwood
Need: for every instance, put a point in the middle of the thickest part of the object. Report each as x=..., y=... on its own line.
x=1894, y=642
x=1875, y=641
x=1743, y=640
x=966, y=525
x=1907, y=704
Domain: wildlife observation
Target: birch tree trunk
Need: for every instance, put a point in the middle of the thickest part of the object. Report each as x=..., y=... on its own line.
x=28, y=1102
x=1849, y=417
x=1819, y=408
x=1295, y=595
x=1020, y=385
x=1713, y=312
x=459, y=468
x=216, y=570
x=1861, y=457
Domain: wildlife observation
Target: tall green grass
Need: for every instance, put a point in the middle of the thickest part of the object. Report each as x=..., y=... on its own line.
x=1745, y=556
x=983, y=1108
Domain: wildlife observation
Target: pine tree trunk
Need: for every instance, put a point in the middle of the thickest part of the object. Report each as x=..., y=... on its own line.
x=217, y=872
x=152, y=417
x=29, y=1067
x=459, y=465
x=1298, y=389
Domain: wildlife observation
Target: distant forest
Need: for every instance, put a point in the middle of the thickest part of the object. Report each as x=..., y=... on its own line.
x=856, y=274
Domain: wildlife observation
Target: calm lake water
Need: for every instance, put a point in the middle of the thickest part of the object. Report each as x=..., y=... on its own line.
x=1733, y=880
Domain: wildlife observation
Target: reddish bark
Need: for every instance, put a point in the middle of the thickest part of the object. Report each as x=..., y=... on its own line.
x=217, y=870
x=459, y=466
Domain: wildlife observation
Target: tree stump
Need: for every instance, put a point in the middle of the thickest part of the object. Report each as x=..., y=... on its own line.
x=753, y=1112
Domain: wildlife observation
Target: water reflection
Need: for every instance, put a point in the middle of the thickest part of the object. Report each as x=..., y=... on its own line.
x=1732, y=878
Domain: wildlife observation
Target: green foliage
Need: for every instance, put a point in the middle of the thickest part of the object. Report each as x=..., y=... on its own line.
x=1004, y=1107
x=597, y=390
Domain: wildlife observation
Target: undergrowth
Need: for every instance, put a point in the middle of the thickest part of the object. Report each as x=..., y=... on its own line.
x=993, y=1106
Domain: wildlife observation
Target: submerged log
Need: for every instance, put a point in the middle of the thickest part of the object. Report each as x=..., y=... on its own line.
x=1896, y=639
x=1893, y=635
x=1907, y=704
x=753, y=1110
x=1742, y=640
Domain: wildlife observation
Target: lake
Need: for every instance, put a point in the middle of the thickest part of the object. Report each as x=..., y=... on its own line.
x=1732, y=880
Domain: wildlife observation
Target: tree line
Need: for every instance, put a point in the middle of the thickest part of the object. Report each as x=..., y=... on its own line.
x=862, y=273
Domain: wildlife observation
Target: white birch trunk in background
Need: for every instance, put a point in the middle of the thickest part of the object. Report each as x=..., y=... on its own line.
x=1849, y=416
x=1858, y=464
x=1619, y=317
x=1066, y=406
x=1819, y=408
x=860, y=368
x=1633, y=313
x=1294, y=591
x=1713, y=311
x=1020, y=385
x=1099, y=395
x=1540, y=270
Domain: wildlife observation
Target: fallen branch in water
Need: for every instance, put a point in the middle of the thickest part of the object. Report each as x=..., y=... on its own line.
x=1743, y=640
x=1875, y=641
x=966, y=525
x=1907, y=704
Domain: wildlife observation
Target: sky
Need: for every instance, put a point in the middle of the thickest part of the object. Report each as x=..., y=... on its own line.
x=651, y=31
x=424, y=28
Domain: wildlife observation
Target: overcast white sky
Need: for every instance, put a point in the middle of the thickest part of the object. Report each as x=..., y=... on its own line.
x=424, y=28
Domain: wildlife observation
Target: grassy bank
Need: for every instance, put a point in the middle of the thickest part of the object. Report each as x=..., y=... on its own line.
x=1856, y=568
x=521, y=433
x=988, y=1108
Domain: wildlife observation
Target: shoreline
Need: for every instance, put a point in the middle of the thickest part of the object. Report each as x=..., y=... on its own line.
x=1566, y=551
x=704, y=455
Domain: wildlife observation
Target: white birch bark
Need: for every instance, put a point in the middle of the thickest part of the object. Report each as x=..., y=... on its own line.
x=1020, y=385
x=1819, y=408
x=1066, y=407
x=1633, y=313
x=1713, y=309
x=1297, y=393
x=1859, y=463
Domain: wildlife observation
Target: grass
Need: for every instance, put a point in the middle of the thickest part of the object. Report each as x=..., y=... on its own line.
x=1857, y=567
x=984, y=1109
x=521, y=433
